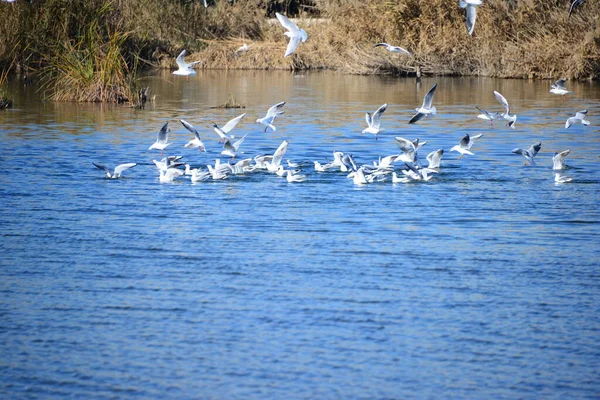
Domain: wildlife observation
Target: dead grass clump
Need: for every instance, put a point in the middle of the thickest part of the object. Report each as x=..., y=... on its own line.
x=231, y=103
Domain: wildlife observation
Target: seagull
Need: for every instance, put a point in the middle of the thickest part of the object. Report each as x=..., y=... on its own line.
x=578, y=118
x=558, y=160
x=471, y=6
x=272, y=113
x=435, y=158
x=231, y=149
x=242, y=49
x=510, y=118
x=275, y=163
x=293, y=32
x=168, y=162
x=487, y=115
x=426, y=108
x=185, y=69
x=170, y=174
x=360, y=178
x=292, y=164
x=560, y=88
x=195, y=143
x=465, y=144
x=222, y=132
x=560, y=178
x=293, y=177
x=393, y=49
x=409, y=151
x=575, y=3
x=374, y=121
x=199, y=176
x=530, y=153
x=118, y=169
x=162, y=138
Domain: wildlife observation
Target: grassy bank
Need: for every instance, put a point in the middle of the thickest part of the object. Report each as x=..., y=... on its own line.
x=68, y=41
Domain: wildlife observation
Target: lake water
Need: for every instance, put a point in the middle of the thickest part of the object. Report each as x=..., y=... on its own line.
x=481, y=283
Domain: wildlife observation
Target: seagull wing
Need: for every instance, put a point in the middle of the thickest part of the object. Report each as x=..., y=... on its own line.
x=408, y=148
x=163, y=134
x=387, y=46
x=580, y=114
x=292, y=45
x=274, y=110
x=502, y=101
x=484, y=112
x=102, y=167
x=279, y=153
x=287, y=24
x=237, y=143
x=232, y=123
x=428, y=99
x=416, y=118
x=560, y=83
x=180, y=61
x=465, y=141
x=377, y=116
x=368, y=119
x=471, y=15
x=190, y=128
x=122, y=167
x=533, y=150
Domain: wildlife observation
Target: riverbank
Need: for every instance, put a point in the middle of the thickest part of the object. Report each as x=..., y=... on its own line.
x=525, y=39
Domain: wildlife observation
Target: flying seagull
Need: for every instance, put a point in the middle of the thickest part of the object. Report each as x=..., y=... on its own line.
x=578, y=118
x=162, y=138
x=471, y=7
x=295, y=34
x=393, y=49
x=465, y=144
x=510, y=118
x=231, y=149
x=272, y=113
x=196, y=142
x=426, y=108
x=222, y=132
x=559, y=88
x=185, y=69
x=488, y=116
x=530, y=153
x=374, y=121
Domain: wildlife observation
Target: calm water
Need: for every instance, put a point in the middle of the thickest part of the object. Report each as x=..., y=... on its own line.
x=482, y=283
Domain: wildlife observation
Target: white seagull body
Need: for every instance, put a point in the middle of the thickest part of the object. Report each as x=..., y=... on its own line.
x=530, y=153
x=487, y=115
x=465, y=144
x=196, y=142
x=170, y=174
x=374, y=122
x=223, y=131
x=409, y=151
x=471, y=8
x=426, y=109
x=295, y=34
x=162, y=138
x=185, y=69
x=118, y=169
x=272, y=113
x=558, y=160
x=275, y=163
x=510, y=118
x=393, y=49
x=560, y=88
x=231, y=149
x=435, y=158
x=560, y=178
x=578, y=118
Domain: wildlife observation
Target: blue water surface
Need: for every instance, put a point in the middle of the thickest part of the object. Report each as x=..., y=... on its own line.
x=481, y=283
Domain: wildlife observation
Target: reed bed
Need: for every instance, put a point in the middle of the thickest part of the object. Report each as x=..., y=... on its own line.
x=512, y=38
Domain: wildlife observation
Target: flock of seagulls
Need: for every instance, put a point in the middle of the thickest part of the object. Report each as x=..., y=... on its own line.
x=171, y=168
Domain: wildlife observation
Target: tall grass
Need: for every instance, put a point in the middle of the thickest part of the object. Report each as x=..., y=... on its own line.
x=96, y=46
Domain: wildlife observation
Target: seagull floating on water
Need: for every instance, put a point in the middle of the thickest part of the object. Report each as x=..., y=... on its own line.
x=118, y=169
x=185, y=69
x=222, y=132
x=465, y=144
x=577, y=119
x=374, y=121
x=393, y=49
x=272, y=113
x=426, y=108
x=295, y=34
x=471, y=7
x=510, y=118
x=530, y=153
x=170, y=174
x=196, y=142
x=558, y=160
x=560, y=178
x=162, y=139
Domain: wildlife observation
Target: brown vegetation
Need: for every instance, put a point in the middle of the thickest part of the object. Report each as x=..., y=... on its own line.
x=69, y=40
